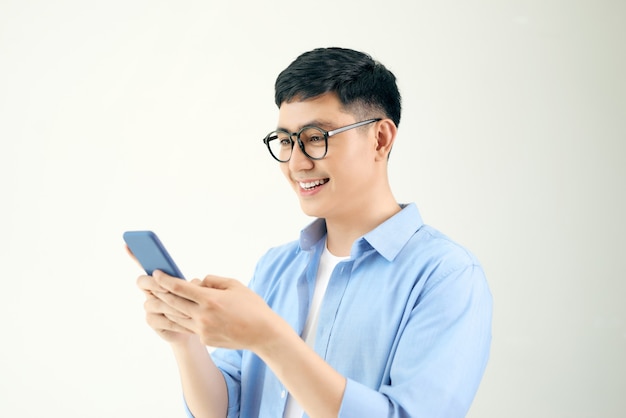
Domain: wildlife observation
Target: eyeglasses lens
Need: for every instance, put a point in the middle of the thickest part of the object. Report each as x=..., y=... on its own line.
x=313, y=140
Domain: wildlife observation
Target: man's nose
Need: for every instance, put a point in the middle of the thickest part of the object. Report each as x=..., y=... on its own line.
x=299, y=160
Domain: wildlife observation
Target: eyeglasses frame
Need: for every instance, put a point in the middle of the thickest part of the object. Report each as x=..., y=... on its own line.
x=327, y=134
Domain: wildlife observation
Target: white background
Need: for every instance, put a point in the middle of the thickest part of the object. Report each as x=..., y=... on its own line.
x=149, y=115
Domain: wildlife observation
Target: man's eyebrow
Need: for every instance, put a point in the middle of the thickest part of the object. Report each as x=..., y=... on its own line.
x=324, y=124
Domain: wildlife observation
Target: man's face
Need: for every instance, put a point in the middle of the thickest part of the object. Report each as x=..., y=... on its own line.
x=342, y=183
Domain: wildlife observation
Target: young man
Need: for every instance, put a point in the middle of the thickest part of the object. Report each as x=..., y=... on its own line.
x=370, y=313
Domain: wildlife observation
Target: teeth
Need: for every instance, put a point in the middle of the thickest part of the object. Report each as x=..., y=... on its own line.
x=311, y=184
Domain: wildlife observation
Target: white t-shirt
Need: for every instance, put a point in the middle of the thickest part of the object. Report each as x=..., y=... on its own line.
x=327, y=264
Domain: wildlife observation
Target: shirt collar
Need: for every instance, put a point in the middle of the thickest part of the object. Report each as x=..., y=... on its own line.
x=392, y=235
x=387, y=238
x=312, y=234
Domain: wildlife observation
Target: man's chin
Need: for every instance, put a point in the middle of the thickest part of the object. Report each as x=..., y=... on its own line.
x=311, y=209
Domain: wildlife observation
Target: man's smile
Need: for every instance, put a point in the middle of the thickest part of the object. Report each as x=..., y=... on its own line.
x=310, y=185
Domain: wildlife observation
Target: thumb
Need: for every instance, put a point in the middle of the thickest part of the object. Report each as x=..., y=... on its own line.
x=216, y=282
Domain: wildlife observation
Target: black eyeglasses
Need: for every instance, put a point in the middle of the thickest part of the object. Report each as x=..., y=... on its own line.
x=312, y=140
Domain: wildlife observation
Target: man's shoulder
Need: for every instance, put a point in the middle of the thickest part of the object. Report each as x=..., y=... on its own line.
x=437, y=248
x=285, y=249
x=436, y=238
x=278, y=267
x=282, y=255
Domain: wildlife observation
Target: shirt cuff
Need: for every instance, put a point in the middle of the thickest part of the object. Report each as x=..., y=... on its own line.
x=361, y=401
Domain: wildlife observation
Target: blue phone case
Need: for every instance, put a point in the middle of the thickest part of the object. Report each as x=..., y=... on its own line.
x=150, y=252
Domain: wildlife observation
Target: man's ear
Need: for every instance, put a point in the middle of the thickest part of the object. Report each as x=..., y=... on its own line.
x=386, y=132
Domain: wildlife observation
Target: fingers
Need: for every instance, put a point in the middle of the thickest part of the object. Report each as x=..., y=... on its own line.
x=162, y=323
x=148, y=284
x=178, y=306
x=217, y=282
x=169, y=295
x=163, y=318
x=166, y=313
x=155, y=305
x=182, y=288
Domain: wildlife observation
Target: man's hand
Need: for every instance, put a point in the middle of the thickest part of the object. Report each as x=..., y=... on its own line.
x=222, y=312
x=159, y=315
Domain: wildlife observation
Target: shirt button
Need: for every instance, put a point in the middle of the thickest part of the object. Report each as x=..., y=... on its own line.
x=283, y=393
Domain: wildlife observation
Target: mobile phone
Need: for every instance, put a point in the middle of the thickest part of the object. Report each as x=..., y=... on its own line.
x=151, y=253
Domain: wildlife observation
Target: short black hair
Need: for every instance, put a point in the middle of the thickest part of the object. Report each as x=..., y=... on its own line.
x=356, y=78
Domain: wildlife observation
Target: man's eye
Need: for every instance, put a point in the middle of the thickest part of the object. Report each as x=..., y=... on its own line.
x=313, y=138
x=284, y=142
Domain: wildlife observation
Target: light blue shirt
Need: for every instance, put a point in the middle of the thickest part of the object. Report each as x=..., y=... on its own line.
x=406, y=319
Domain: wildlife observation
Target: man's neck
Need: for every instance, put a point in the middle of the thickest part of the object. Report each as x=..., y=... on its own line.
x=343, y=231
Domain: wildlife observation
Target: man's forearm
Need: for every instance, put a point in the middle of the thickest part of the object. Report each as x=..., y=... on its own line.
x=203, y=383
x=314, y=384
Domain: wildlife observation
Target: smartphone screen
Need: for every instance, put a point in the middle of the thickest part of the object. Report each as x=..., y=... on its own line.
x=150, y=252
